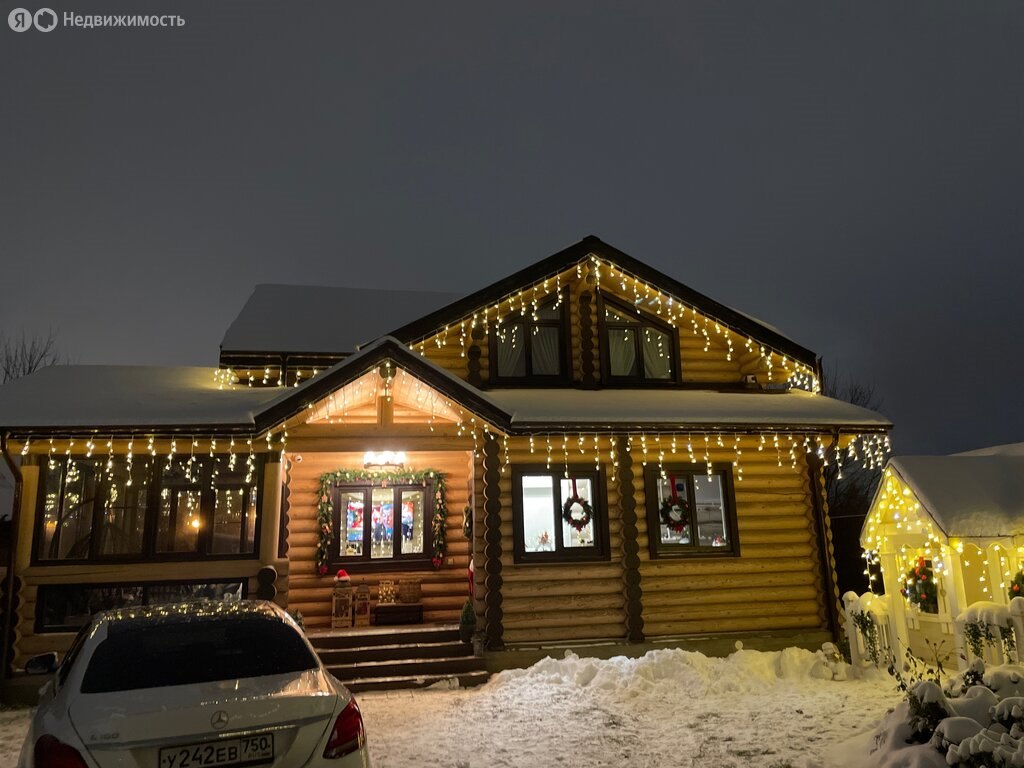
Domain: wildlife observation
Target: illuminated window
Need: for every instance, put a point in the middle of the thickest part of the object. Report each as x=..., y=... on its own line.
x=690, y=512
x=376, y=523
x=92, y=508
x=543, y=530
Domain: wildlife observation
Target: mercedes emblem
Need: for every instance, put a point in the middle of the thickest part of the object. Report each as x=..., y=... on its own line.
x=219, y=719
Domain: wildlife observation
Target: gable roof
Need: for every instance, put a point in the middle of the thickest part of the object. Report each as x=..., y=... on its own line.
x=316, y=319
x=968, y=495
x=559, y=262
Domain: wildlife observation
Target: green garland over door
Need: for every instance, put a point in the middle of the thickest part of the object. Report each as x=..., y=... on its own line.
x=325, y=507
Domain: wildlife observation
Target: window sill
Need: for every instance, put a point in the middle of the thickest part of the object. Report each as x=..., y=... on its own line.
x=382, y=566
x=560, y=559
x=692, y=553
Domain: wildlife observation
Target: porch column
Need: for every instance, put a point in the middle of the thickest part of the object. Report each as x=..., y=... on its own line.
x=493, y=614
x=270, y=512
x=957, y=598
x=891, y=578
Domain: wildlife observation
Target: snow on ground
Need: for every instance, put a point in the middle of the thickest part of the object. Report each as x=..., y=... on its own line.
x=668, y=708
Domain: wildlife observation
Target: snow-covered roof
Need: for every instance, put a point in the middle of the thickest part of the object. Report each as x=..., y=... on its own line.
x=324, y=319
x=682, y=406
x=126, y=396
x=90, y=396
x=1009, y=449
x=968, y=495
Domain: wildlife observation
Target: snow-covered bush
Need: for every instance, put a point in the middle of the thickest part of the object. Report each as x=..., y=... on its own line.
x=976, y=719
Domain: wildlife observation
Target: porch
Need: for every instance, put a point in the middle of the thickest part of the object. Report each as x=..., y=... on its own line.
x=387, y=658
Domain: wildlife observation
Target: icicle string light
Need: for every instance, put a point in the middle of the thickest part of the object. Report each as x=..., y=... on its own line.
x=503, y=317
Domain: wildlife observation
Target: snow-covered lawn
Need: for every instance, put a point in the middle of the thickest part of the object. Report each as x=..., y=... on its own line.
x=668, y=708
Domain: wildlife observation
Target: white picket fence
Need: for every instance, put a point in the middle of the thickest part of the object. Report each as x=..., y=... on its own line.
x=1000, y=627
x=875, y=610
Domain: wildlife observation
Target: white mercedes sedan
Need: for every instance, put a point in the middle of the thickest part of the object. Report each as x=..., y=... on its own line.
x=196, y=685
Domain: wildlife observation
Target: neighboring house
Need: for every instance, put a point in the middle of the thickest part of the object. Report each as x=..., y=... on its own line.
x=944, y=533
x=637, y=461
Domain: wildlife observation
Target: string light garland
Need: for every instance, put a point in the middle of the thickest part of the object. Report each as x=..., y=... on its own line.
x=524, y=302
x=325, y=508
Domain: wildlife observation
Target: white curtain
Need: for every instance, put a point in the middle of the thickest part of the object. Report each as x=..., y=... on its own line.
x=621, y=352
x=512, y=351
x=545, y=352
x=657, y=355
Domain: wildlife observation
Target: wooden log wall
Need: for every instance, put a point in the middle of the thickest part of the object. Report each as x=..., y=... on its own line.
x=444, y=590
x=705, y=359
x=775, y=584
x=559, y=602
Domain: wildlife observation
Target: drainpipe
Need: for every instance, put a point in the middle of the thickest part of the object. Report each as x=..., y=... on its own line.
x=5, y=667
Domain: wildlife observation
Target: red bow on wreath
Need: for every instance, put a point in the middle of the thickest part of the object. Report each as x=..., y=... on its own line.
x=675, y=512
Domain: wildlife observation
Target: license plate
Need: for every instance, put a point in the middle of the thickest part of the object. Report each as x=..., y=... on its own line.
x=245, y=750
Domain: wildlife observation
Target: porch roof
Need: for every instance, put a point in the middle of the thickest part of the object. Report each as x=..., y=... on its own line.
x=680, y=408
x=968, y=495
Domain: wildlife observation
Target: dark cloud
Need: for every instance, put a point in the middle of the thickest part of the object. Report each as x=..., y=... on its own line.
x=849, y=172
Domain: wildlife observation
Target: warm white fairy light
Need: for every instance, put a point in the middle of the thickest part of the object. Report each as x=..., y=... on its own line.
x=526, y=301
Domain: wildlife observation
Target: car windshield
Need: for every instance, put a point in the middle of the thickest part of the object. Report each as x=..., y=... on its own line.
x=154, y=655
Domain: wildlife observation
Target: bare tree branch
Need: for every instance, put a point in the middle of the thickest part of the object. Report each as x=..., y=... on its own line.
x=20, y=357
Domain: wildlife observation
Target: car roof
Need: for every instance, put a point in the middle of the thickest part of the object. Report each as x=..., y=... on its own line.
x=184, y=613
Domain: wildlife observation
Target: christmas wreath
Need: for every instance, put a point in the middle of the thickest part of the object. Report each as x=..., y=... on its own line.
x=920, y=588
x=675, y=512
x=1017, y=586
x=577, y=511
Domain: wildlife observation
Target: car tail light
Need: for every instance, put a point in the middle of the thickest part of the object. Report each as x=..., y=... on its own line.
x=51, y=752
x=347, y=735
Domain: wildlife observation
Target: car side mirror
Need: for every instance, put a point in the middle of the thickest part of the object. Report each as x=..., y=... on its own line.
x=43, y=664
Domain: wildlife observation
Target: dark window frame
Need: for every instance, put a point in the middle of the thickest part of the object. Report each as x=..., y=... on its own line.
x=671, y=550
x=600, y=552
x=365, y=563
x=564, y=376
x=149, y=552
x=644, y=319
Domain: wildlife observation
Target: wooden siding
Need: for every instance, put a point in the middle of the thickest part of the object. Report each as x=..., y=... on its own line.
x=776, y=582
x=444, y=590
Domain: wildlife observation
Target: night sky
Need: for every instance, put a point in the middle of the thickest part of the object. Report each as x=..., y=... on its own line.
x=851, y=173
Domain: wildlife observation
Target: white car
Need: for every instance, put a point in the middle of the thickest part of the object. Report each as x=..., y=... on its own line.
x=196, y=685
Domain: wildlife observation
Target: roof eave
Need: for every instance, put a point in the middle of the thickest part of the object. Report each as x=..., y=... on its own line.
x=564, y=259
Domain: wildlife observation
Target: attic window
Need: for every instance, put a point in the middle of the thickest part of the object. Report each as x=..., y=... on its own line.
x=530, y=346
x=636, y=348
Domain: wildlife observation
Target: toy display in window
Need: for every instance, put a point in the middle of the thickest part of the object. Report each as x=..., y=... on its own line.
x=408, y=515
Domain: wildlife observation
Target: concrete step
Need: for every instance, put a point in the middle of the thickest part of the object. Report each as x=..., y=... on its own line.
x=465, y=680
x=363, y=637
x=341, y=656
x=410, y=667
